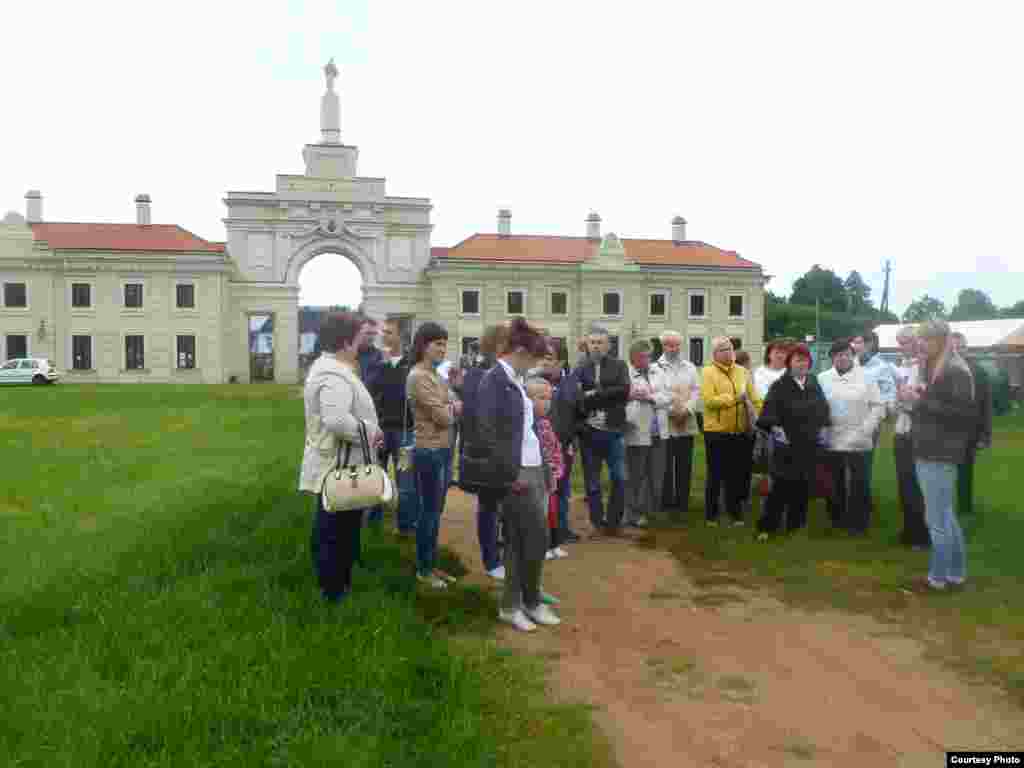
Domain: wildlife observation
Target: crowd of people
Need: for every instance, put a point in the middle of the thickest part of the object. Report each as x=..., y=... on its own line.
x=517, y=417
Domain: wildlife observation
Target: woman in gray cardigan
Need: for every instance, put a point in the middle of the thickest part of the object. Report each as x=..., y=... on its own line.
x=335, y=401
x=943, y=424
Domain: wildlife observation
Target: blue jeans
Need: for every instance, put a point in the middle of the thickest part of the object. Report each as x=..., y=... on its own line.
x=487, y=529
x=938, y=483
x=564, y=494
x=408, y=500
x=430, y=469
x=598, y=446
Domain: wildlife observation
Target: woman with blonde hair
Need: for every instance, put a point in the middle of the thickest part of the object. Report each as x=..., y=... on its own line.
x=943, y=423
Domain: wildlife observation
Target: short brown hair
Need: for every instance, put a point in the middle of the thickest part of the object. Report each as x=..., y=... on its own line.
x=522, y=335
x=339, y=329
x=426, y=335
x=493, y=340
x=743, y=358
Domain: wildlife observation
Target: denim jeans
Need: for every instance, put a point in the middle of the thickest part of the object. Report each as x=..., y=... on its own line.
x=408, y=500
x=487, y=529
x=334, y=549
x=430, y=466
x=599, y=446
x=564, y=494
x=948, y=559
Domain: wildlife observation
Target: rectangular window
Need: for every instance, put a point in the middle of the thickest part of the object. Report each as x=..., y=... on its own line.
x=134, y=352
x=186, y=296
x=559, y=303
x=15, y=295
x=736, y=305
x=613, y=346
x=515, y=303
x=696, y=305
x=658, y=305
x=468, y=342
x=17, y=346
x=133, y=295
x=81, y=353
x=697, y=352
x=561, y=348
x=81, y=295
x=611, y=304
x=186, y=351
x=471, y=302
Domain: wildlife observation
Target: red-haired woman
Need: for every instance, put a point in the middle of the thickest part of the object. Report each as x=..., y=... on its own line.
x=795, y=410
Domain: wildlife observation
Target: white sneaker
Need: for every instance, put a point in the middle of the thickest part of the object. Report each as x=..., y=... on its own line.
x=559, y=552
x=543, y=614
x=432, y=581
x=518, y=620
x=550, y=555
x=497, y=573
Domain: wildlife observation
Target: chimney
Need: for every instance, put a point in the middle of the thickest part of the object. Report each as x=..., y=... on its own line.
x=33, y=206
x=678, y=229
x=504, y=221
x=593, y=226
x=142, y=209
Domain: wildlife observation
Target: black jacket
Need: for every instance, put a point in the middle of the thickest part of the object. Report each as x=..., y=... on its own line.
x=611, y=396
x=387, y=387
x=469, y=395
x=493, y=449
x=945, y=420
x=801, y=413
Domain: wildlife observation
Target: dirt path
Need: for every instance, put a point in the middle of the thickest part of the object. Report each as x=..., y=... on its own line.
x=717, y=676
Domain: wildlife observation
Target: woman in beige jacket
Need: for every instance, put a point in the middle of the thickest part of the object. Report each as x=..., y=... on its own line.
x=434, y=414
x=336, y=402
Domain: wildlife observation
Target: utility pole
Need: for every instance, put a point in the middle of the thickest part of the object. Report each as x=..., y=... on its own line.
x=885, y=291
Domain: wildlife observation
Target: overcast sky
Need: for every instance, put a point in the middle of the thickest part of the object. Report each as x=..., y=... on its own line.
x=793, y=132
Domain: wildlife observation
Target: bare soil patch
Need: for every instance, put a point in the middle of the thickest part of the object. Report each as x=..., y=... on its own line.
x=711, y=671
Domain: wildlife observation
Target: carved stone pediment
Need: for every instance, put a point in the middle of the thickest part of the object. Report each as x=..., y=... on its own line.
x=331, y=226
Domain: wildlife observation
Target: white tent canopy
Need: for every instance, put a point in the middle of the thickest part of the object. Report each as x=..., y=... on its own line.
x=980, y=334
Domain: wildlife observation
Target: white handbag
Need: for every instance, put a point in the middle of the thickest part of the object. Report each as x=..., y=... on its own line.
x=359, y=486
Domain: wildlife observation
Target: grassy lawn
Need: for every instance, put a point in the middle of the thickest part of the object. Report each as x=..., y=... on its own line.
x=158, y=606
x=979, y=629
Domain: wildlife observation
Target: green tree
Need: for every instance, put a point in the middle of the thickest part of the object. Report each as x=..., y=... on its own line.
x=823, y=284
x=858, y=294
x=1017, y=310
x=924, y=309
x=972, y=304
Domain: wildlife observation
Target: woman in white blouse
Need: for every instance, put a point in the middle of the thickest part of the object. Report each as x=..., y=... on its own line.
x=774, y=366
x=336, y=401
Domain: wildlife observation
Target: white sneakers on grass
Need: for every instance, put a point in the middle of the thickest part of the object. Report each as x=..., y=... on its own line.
x=555, y=554
x=434, y=582
x=543, y=614
x=497, y=573
x=518, y=620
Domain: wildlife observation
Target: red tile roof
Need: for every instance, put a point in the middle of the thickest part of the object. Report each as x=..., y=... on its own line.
x=121, y=237
x=554, y=249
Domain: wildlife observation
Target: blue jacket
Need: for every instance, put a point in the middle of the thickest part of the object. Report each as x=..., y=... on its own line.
x=493, y=446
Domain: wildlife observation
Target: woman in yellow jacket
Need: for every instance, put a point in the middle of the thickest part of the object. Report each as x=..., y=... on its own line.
x=726, y=389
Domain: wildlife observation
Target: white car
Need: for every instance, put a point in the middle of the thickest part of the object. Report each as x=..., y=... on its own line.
x=29, y=370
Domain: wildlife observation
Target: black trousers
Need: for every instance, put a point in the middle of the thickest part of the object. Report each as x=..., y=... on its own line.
x=915, y=530
x=729, y=458
x=678, y=474
x=334, y=545
x=789, y=496
x=850, y=505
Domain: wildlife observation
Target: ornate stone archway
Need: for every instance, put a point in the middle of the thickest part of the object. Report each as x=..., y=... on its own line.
x=329, y=209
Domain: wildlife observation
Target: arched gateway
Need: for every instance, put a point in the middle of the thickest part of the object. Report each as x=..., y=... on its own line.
x=329, y=209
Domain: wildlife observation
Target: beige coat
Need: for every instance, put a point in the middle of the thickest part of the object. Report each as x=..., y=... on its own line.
x=431, y=407
x=335, y=401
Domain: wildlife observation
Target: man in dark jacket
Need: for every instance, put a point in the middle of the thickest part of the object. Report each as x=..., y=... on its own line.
x=604, y=383
x=387, y=387
x=983, y=437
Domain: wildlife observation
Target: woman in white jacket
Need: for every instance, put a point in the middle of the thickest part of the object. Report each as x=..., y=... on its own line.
x=856, y=411
x=679, y=423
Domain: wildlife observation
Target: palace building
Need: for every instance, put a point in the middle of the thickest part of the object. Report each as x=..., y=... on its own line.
x=133, y=302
